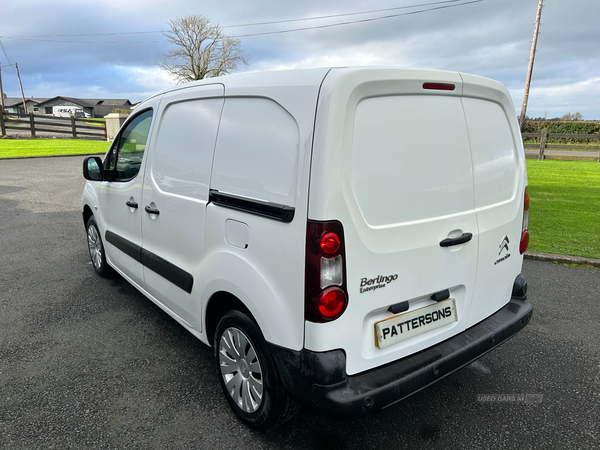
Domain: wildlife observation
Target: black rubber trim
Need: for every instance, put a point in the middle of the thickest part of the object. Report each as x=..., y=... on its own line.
x=127, y=247
x=520, y=288
x=269, y=210
x=368, y=392
x=441, y=295
x=168, y=271
x=299, y=370
x=399, y=307
x=164, y=268
x=466, y=237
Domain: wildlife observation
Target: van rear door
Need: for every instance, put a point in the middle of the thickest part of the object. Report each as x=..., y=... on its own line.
x=499, y=175
x=392, y=163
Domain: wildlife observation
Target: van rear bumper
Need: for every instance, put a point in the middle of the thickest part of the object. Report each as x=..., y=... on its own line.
x=319, y=380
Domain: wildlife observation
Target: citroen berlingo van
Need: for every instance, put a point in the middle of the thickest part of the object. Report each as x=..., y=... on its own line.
x=342, y=237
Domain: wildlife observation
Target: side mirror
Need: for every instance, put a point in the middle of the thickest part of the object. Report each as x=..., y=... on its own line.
x=93, y=168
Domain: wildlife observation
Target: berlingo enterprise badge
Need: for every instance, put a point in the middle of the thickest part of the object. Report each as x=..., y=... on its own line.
x=381, y=281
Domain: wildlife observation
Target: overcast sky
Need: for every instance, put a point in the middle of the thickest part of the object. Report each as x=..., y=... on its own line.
x=491, y=38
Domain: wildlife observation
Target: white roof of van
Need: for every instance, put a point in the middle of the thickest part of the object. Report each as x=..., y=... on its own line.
x=280, y=78
x=310, y=80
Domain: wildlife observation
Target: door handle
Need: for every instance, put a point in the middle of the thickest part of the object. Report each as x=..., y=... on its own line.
x=131, y=204
x=466, y=237
x=151, y=210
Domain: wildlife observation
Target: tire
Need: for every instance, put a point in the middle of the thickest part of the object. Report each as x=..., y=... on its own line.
x=96, y=249
x=248, y=376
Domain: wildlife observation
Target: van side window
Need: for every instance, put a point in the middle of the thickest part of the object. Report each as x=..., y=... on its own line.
x=127, y=154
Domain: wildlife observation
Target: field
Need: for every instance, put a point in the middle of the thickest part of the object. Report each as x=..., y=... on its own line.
x=564, y=207
x=48, y=147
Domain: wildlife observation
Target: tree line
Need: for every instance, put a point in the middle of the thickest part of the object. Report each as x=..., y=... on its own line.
x=569, y=117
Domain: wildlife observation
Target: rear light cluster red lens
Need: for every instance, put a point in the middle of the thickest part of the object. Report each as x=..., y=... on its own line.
x=331, y=302
x=330, y=243
x=524, y=241
x=525, y=228
x=326, y=297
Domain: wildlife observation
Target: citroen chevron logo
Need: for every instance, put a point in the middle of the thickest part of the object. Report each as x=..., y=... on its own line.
x=504, y=244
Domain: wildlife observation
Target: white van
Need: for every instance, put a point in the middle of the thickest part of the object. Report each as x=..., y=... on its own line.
x=343, y=237
x=68, y=111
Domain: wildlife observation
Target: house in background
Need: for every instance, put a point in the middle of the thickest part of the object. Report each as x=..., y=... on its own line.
x=95, y=107
x=15, y=104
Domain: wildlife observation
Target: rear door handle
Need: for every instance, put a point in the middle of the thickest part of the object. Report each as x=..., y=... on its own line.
x=449, y=242
x=131, y=204
x=151, y=210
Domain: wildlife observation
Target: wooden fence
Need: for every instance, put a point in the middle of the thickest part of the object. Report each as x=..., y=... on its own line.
x=34, y=123
x=544, y=150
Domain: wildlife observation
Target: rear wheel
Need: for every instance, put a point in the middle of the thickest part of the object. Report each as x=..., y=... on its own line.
x=96, y=248
x=247, y=374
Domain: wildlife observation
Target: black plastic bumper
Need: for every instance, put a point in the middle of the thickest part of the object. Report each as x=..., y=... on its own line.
x=319, y=380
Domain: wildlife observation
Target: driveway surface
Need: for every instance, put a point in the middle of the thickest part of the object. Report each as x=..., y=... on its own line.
x=87, y=362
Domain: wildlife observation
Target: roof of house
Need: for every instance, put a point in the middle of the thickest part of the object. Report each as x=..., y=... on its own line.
x=16, y=101
x=91, y=102
x=84, y=102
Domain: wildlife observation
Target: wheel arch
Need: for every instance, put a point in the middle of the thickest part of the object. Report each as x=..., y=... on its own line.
x=87, y=213
x=246, y=283
x=218, y=305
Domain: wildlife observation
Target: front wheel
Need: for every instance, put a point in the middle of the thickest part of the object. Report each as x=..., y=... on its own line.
x=247, y=374
x=96, y=248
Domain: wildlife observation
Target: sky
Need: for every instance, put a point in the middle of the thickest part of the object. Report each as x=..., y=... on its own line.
x=491, y=38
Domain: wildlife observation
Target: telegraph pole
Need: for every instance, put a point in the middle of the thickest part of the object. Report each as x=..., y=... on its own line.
x=531, y=57
x=22, y=95
x=2, y=129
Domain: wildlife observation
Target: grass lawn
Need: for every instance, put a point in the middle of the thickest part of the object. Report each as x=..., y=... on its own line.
x=564, y=213
x=45, y=147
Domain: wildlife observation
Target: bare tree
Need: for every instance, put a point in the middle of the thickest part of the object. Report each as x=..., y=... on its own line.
x=202, y=50
x=575, y=116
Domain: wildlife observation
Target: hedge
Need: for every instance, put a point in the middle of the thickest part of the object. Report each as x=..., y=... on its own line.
x=563, y=128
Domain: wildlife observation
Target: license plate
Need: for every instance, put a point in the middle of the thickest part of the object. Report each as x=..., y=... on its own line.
x=404, y=326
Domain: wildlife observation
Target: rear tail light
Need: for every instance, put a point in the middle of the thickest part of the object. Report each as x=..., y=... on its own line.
x=331, y=272
x=525, y=228
x=331, y=303
x=330, y=243
x=326, y=297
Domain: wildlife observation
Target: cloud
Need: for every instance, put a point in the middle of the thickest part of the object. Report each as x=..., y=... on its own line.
x=558, y=100
x=145, y=80
x=489, y=38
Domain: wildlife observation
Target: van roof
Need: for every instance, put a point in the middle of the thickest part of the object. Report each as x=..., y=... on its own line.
x=254, y=81
x=281, y=78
